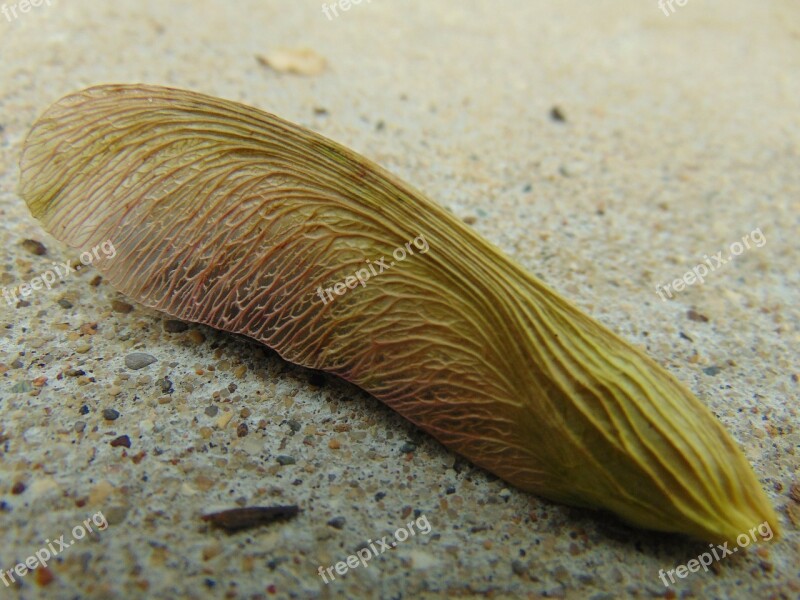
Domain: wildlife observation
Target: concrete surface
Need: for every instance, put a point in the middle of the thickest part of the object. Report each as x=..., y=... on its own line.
x=676, y=136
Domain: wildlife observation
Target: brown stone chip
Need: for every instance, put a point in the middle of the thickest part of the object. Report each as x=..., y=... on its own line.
x=236, y=519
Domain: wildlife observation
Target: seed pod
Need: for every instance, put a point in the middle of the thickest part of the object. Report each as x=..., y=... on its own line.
x=225, y=215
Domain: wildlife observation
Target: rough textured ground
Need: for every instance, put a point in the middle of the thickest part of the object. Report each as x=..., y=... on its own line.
x=675, y=137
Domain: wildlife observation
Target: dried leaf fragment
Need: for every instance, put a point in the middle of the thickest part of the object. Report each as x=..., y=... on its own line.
x=298, y=61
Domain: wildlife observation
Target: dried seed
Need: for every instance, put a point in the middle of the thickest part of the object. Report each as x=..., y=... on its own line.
x=459, y=339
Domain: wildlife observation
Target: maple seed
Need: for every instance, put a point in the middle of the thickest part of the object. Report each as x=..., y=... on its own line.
x=229, y=216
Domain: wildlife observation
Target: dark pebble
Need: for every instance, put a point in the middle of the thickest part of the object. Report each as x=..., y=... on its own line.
x=139, y=360
x=450, y=490
x=121, y=307
x=711, y=371
x=276, y=562
x=241, y=430
x=64, y=303
x=286, y=460
x=557, y=115
x=84, y=410
x=34, y=247
x=166, y=386
x=74, y=372
x=696, y=316
x=380, y=496
x=235, y=519
x=173, y=326
x=122, y=440
x=18, y=488
x=109, y=414
x=294, y=425
x=408, y=447
x=518, y=567
x=337, y=522
x=211, y=411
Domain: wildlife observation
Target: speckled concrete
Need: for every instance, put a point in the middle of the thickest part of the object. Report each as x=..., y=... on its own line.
x=681, y=135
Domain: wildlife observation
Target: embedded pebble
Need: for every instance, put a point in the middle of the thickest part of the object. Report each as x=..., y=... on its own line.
x=173, y=326
x=109, y=414
x=102, y=490
x=115, y=514
x=21, y=387
x=337, y=522
x=34, y=247
x=196, y=337
x=139, y=360
x=408, y=447
x=223, y=420
x=122, y=440
x=121, y=307
x=166, y=386
x=693, y=315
